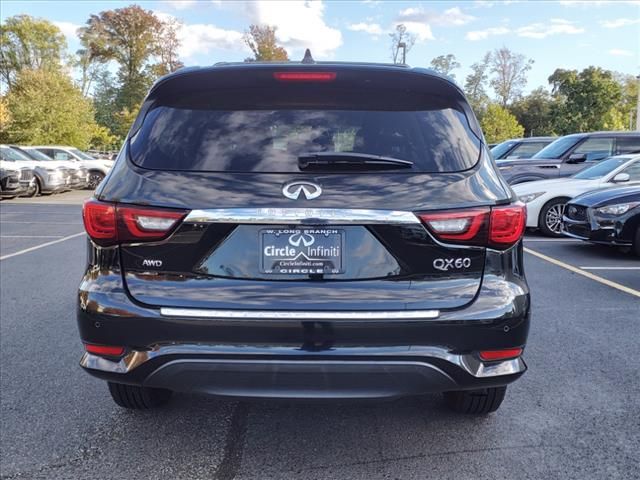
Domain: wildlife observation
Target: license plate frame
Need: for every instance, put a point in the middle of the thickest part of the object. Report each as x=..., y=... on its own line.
x=302, y=251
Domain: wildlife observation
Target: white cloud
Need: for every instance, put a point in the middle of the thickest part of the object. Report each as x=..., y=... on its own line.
x=619, y=22
x=370, y=28
x=451, y=17
x=180, y=4
x=556, y=26
x=202, y=38
x=484, y=34
x=618, y=52
x=68, y=29
x=300, y=24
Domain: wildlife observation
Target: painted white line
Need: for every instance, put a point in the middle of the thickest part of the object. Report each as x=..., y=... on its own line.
x=38, y=212
x=609, y=268
x=42, y=245
x=584, y=273
x=30, y=236
x=554, y=240
x=43, y=223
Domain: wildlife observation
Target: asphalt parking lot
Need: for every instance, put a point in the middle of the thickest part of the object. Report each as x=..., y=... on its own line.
x=575, y=413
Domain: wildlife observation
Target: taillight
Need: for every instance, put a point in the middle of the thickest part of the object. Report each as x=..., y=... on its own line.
x=109, y=224
x=104, y=350
x=496, y=227
x=305, y=76
x=504, y=354
x=507, y=225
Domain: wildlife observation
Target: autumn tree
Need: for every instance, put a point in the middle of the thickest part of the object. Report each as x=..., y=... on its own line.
x=401, y=40
x=586, y=100
x=475, y=85
x=129, y=36
x=29, y=43
x=47, y=108
x=445, y=64
x=261, y=39
x=168, y=46
x=499, y=125
x=509, y=71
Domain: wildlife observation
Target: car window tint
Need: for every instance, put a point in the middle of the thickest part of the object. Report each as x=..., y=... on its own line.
x=628, y=145
x=525, y=150
x=203, y=136
x=596, y=148
x=633, y=171
x=61, y=155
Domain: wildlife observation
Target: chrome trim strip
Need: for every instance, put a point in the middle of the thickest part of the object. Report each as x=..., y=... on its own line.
x=469, y=362
x=299, y=315
x=334, y=216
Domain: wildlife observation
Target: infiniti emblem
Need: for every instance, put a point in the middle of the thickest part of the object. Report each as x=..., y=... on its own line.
x=310, y=190
x=305, y=238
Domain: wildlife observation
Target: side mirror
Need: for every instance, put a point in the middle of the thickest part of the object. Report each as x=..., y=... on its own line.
x=577, y=158
x=621, y=178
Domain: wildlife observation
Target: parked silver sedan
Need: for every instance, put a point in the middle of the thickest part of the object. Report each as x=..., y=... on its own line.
x=38, y=177
x=77, y=177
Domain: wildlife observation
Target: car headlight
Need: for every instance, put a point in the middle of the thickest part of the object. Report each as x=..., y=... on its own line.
x=530, y=197
x=617, y=209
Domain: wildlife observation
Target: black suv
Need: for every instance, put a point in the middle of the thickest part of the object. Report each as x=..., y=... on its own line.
x=304, y=230
x=570, y=154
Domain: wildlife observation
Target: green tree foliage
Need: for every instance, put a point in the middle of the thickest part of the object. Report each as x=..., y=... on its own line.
x=168, y=46
x=29, y=43
x=445, y=64
x=534, y=113
x=510, y=74
x=131, y=37
x=627, y=106
x=261, y=39
x=584, y=99
x=498, y=124
x=47, y=108
x=475, y=85
x=401, y=41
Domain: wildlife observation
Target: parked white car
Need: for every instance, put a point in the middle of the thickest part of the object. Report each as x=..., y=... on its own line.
x=546, y=199
x=47, y=178
x=97, y=168
x=78, y=175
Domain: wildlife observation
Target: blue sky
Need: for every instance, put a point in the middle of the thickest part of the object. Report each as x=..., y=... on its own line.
x=567, y=34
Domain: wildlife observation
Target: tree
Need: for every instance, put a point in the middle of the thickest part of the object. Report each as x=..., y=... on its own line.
x=5, y=115
x=29, y=43
x=534, y=113
x=475, y=85
x=499, y=125
x=510, y=74
x=445, y=64
x=261, y=39
x=629, y=85
x=401, y=40
x=47, y=108
x=584, y=100
x=102, y=139
x=168, y=48
x=131, y=37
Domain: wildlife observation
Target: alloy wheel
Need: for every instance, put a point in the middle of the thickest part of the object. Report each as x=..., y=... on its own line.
x=553, y=218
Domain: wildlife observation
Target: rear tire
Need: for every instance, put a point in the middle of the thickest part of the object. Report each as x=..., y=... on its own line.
x=475, y=402
x=138, y=398
x=550, y=220
x=35, y=190
x=94, y=179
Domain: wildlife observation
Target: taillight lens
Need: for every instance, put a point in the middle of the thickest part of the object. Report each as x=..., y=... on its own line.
x=109, y=224
x=496, y=227
x=305, y=76
x=507, y=225
x=100, y=221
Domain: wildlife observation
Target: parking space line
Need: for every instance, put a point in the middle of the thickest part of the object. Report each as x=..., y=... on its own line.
x=554, y=240
x=609, y=268
x=43, y=223
x=42, y=245
x=30, y=236
x=584, y=273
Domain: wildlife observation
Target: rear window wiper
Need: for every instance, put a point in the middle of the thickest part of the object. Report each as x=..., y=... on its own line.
x=349, y=161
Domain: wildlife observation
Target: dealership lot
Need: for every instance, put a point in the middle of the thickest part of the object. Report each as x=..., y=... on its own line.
x=573, y=415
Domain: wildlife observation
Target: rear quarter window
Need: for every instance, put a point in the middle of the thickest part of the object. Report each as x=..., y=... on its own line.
x=196, y=135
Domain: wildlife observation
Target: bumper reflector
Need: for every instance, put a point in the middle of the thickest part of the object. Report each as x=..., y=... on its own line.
x=490, y=355
x=104, y=350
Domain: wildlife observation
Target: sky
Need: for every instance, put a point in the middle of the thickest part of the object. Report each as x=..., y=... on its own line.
x=569, y=34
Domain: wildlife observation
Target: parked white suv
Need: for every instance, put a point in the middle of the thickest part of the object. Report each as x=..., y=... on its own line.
x=97, y=168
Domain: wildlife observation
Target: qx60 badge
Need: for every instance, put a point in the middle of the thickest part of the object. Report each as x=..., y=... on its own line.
x=308, y=190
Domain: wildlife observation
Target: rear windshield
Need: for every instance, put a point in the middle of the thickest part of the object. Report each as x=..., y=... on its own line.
x=203, y=134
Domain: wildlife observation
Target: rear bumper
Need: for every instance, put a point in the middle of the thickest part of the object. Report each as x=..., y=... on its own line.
x=287, y=374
